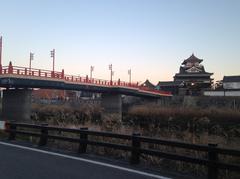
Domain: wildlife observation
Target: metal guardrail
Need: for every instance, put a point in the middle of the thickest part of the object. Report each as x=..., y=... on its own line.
x=211, y=161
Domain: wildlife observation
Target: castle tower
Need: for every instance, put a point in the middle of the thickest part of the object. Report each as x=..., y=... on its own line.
x=193, y=75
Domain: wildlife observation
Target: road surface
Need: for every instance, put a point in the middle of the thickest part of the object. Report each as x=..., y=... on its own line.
x=21, y=162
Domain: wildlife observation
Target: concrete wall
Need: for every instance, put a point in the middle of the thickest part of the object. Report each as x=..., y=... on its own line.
x=112, y=106
x=16, y=105
x=222, y=93
x=214, y=93
x=213, y=101
x=232, y=93
x=204, y=102
x=231, y=85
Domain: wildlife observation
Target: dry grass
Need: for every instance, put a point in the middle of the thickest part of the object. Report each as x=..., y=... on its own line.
x=214, y=121
x=193, y=125
x=62, y=115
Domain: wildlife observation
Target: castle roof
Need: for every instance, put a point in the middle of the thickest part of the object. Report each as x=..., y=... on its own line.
x=192, y=59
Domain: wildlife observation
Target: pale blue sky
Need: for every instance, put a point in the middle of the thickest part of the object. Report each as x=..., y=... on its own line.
x=151, y=37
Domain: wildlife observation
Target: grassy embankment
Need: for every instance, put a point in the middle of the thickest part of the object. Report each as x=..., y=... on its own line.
x=201, y=126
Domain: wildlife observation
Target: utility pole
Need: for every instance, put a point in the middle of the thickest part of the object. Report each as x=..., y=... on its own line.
x=91, y=71
x=30, y=63
x=53, y=57
x=130, y=75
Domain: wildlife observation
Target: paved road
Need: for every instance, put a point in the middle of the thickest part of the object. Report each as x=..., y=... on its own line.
x=19, y=162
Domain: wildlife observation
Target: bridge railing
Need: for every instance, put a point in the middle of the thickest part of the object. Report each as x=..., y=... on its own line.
x=16, y=70
x=135, y=144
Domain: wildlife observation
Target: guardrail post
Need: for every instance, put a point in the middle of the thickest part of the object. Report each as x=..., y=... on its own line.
x=44, y=135
x=136, y=144
x=212, y=157
x=83, y=140
x=12, y=133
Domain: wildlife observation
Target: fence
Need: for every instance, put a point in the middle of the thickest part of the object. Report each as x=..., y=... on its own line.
x=136, y=149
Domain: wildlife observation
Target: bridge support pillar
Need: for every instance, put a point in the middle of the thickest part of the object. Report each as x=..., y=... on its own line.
x=112, y=107
x=16, y=104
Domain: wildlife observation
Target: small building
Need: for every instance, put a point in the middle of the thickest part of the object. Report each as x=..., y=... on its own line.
x=148, y=84
x=193, y=76
x=230, y=87
x=231, y=82
x=171, y=86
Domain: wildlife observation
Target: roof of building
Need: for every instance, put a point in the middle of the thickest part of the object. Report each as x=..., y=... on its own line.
x=231, y=79
x=206, y=74
x=193, y=69
x=192, y=59
x=148, y=84
x=169, y=83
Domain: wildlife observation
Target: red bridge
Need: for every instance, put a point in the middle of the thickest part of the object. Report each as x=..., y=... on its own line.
x=40, y=74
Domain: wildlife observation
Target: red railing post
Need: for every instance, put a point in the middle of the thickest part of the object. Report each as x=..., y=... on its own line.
x=0, y=69
x=52, y=74
x=25, y=72
x=10, y=68
x=39, y=72
x=62, y=75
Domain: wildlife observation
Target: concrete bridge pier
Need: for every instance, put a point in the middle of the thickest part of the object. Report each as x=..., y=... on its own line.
x=112, y=107
x=16, y=104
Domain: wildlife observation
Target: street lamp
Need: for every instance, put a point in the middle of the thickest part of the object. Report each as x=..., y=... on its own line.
x=31, y=58
x=91, y=71
x=1, y=51
x=130, y=75
x=111, y=73
x=53, y=57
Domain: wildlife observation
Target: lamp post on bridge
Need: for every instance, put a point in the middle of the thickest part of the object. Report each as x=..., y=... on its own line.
x=130, y=75
x=1, y=54
x=53, y=57
x=91, y=71
x=111, y=73
x=30, y=63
